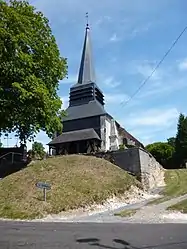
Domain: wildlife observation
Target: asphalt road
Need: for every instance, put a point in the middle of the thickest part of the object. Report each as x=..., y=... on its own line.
x=91, y=235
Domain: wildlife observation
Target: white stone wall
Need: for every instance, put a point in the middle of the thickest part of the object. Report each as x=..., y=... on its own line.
x=151, y=171
x=108, y=132
x=103, y=133
x=114, y=136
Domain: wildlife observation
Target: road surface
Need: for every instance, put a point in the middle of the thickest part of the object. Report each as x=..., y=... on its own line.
x=19, y=235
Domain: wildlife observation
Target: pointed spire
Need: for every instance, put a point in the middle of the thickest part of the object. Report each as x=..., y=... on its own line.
x=86, y=71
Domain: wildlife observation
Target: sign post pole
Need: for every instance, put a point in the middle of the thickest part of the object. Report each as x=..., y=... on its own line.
x=45, y=187
x=45, y=192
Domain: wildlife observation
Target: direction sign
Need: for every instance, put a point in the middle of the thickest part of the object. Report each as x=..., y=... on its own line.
x=43, y=185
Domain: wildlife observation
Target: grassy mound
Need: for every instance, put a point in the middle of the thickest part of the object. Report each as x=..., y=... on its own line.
x=76, y=181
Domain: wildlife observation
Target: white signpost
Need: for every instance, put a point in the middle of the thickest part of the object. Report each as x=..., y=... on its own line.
x=45, y=187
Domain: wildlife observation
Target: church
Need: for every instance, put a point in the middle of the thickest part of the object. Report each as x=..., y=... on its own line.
x=88, y=127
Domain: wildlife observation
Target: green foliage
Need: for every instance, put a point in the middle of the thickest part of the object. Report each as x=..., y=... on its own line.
x=163, y=152
x=37, y=151
x=121, y=147
x=127, y=213
x=30, y=70
x=130, y=145
x=181, y=140
x=171, y=141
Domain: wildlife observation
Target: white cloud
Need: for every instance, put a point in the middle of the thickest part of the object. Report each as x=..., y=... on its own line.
x=183, y=65
x=65, y=102
x=102, y=20
x=164, y=81
x=147, y=139
x=151, y=125
x=140, y=29
x=145, y=69
x=71, y=79
x=154, y=117
x=111, y=82
x=114, y=38
x=115, y=98
x=160, y=88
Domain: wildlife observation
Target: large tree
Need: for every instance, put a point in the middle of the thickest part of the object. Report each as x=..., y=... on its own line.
x=163, y=153
x=171, y=141
x=30, y=70
x=37, y=151
x=181, y=140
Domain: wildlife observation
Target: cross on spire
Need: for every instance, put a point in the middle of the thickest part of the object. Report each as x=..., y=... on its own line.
x=87, y=70
x=87, y=20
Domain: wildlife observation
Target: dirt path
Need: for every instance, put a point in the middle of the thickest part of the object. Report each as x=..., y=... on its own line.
x=159, y=214
x=145, y=214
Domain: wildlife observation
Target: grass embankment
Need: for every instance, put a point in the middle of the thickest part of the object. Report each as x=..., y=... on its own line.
x=176, y=185
x=126, y=213
x=76, y=181
x=181, y=206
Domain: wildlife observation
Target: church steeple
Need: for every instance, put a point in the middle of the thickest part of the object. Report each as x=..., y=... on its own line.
x=86, y=71
x=86, y=89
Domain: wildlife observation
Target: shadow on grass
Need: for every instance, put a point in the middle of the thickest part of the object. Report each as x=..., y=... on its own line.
x=8, y=168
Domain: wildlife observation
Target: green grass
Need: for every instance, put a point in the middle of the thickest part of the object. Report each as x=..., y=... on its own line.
x=126, y=213
x=181, y=206
x=76, y=181
x=176, y=185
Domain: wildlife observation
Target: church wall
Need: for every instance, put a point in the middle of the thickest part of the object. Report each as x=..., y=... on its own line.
x=102, y=132
x=105, y=122
x=108, y=133
x=84, y=123
x=114, y=136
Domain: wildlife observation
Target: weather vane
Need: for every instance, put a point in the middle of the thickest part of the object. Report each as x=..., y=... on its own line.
x=87, y=19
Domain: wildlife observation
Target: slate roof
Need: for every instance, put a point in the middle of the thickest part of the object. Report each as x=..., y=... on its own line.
x=93, y=108
x=86, y=71
x=73, y=136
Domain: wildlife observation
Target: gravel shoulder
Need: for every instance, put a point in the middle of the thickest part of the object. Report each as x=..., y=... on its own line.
x=145, y=214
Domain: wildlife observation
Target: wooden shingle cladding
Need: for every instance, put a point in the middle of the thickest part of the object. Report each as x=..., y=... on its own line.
x=90, y=109
x=77, y=135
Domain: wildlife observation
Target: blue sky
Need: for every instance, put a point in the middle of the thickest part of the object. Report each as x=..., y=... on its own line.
x=129, y=37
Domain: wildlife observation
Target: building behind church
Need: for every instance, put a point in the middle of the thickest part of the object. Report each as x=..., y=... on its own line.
x=88, y=127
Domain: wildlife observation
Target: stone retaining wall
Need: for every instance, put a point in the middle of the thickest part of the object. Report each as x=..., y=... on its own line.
x=138, y=162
